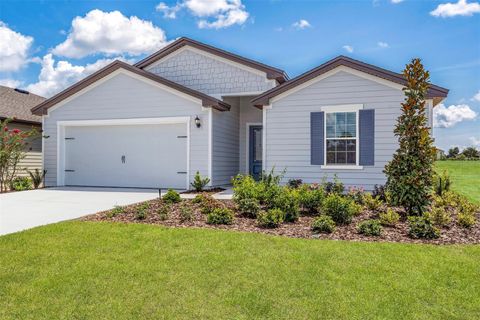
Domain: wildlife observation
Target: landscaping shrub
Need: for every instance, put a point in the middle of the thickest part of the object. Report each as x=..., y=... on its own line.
x=379, y=192
x=199, y=183
x=248, y=207
x=115, y=211
x=441, y=183
x=334, y=187
x=422, y=227
x=142, y=211
x=186, y=213
x=310, y=198
x=171, y=196
x=287, y=201
x=370, y=228
x=164, y=211
x=271, y=218
x=21, y=184
x=339, y=208
x=371, y=202
x=356, y=194
x=466, y=213
x=294, y=183
x=207, y=203
x=220, y=216
x=389, y=218
x=245, y=187
x=439, y=216
x=323, y=224
x=37, y=177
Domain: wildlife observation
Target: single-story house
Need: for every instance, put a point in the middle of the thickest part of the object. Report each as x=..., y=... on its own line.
x=15, y=104
x=192, y=107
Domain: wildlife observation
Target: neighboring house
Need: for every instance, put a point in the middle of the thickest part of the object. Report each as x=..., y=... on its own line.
x=15, y=104
x=440, y=154
x=192, y=107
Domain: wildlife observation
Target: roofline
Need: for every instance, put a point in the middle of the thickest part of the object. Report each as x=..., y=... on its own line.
x=207, y=101
x=434, y=91
x=272, y=72
x=16, y=120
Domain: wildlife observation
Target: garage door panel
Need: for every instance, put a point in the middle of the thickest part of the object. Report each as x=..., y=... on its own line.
x=148, y=156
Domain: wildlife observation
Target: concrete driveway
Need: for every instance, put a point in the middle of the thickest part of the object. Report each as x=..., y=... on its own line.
x=28, y=209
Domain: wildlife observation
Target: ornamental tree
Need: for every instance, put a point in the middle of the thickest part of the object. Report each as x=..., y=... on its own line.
x=410, y=172
x=12, y=150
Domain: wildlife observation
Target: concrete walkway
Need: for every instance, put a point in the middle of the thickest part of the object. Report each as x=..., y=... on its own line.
x=28, y=209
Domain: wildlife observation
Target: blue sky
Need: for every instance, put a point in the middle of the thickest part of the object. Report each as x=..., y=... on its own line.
x=41, y=50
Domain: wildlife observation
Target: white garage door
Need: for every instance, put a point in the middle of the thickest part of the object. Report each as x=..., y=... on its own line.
x=143, y=156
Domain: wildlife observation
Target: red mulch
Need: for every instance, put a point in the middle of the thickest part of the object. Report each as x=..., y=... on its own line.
x=300, y=229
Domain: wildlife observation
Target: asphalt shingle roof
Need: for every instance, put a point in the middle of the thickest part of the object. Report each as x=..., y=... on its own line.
x=17, y=105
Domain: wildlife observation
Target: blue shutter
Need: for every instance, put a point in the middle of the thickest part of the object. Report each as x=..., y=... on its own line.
x=316, y=137
x=367, y=137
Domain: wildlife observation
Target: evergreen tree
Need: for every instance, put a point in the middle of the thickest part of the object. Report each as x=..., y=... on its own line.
x=410, y=173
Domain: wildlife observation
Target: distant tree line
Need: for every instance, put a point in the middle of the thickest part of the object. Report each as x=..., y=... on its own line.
x=454, y=153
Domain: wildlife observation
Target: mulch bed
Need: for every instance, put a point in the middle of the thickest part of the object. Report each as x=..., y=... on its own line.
x=209, y=191
x=300, y=229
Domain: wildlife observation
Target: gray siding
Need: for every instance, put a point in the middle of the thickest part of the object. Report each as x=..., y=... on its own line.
x=123, y=97
x=209, y=75
x=225, y=147
x=248, y=114
x=33, y=158
x=288, y=128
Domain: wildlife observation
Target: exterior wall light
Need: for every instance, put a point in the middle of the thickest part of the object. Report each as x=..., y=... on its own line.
x=197, y=122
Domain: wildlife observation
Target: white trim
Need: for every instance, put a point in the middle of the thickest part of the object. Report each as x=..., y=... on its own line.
x=210, y=144
x=61, y=125
x=247, y=153
x=237, y=94
x=130, y=74
x=208, y=55
x=342, y=108
x=429, y=104
x=334, y=71
x=43, y=148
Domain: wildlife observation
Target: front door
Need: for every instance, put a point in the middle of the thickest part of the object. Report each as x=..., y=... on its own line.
x=255, y=152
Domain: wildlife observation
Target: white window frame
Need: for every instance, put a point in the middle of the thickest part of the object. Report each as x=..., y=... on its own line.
x=336, y=109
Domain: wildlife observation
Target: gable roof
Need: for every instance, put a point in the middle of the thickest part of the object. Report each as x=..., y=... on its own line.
x=272, y=73
x=16, y=104
x=434, y=91
x=207, y=101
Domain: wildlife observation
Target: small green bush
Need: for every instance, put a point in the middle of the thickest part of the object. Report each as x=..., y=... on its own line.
x=339, y=208
x=186, y=213
x=199, y=183
x=245, y=187
x=466, y=213
x=171, y=196
x=389, y=218
x=248, y=207
x=439, y=216
x=323, y=224
x=271, y=218
x=207, y=203
x=164, y=211
x=115, y=211
x=371, y=202
x=21, y=184
x=335, y=186
x=310, y=198
x=142, y=211
x=287, y=201
x=441, y=183
x=370, y=228
x=220, y=216
x=356, y=194
x=421, y=227
x=294, y=183
x=37, y=177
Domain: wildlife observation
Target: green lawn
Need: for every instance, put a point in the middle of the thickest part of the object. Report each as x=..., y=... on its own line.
x=465, y=176
x=91, y=270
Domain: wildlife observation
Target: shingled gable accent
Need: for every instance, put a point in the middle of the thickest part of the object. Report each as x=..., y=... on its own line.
x=272, y=73
x=434, y=92
x=207, y=101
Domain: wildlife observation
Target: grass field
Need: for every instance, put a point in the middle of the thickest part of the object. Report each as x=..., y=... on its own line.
x=465, y=176
x=88, y=270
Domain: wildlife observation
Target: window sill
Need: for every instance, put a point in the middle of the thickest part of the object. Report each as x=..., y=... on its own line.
x=335, y=167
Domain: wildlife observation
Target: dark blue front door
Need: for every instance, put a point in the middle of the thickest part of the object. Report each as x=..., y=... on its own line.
x=255, y=151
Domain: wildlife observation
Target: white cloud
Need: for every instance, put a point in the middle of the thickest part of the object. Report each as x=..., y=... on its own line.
x=55, y=77
x=12, y=83
x=475, y=141
x=212, y=14
x=461, y=8
x=14, y=48
x=301, y=24
x=396, y=1
x=476, y=97
x=446, y=117
x=348, y=48
x=110, y=33
x=382, y=44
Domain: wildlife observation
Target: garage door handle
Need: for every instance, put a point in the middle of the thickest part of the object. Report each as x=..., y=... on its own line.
x=182, y=172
